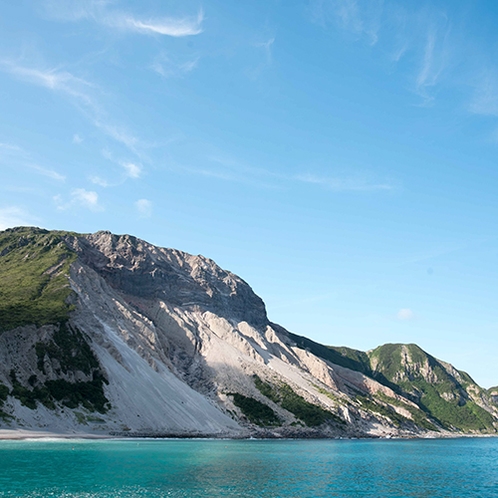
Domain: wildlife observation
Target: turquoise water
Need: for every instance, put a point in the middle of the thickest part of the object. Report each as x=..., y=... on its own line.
x=203, y=468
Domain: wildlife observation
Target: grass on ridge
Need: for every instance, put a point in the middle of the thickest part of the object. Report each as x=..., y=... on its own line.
x=34, y=289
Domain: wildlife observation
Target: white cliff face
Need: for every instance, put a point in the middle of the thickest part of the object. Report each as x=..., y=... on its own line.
x=175, y=336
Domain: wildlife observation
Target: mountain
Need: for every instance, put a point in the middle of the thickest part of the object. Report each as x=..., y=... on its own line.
x=107, y=334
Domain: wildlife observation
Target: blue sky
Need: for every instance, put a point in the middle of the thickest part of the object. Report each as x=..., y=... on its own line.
x=338, y=155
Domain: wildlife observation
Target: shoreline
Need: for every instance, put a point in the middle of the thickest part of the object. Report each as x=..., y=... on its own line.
x=23, y=434
x=27, y=434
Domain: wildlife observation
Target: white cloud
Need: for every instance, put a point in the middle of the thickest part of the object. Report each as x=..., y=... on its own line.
x=359, y=18
x=50, y=173
x=348, y=13
x=80, y=92
x=229, y=169
x=53, y=79
x=343, y=184
x=144, y=208
x=15, y=156
x=13, y=216
x=10, y=147
x=86, y=198
x=75, y=10
x=405, y=314
x=80, y=197
x=421, y=32
x=176, y=27
x=122, y=136
x=132, y=170
x=485, y=98
x=101, y=182
x=434, y=61
x=169, y=68
x=267, y=46
x=98, y=11
x=77, y=139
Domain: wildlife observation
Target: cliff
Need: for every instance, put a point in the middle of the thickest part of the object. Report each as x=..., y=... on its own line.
x=108, y=334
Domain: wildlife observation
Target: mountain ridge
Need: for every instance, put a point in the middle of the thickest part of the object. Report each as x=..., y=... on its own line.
x=112, y=335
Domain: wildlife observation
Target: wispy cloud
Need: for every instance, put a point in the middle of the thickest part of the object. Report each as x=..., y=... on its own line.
x=13, y=216
x=82, y=94
x=423, y=33
x=348, y=13
x=10, y=147
x=101, y=182
x=100, y=12
x=170, y=67
x=358, y=184
x=132, y=170
x=267, y=47
x=77, y=139
x=50, y=173
x=129, y=170
x=80, y=197
x=485, y=98
x=119, y=134
x=405, y=314
x=434, y=61
x=222, y=168
x=177, y=27
x=13, y=155
x=362, y=19
x=144, y=208
x=53, y=79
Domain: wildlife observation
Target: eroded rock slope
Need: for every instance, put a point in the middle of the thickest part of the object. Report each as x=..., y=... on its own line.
x=109, y=334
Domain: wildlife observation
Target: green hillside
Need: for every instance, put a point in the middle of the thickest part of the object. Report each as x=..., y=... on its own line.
x=411, y=372
x=343, y=356
x=34, y=264
x=424, y=379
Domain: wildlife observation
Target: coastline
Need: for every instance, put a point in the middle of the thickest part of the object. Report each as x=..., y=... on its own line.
x=21, y=434
x=30, y=434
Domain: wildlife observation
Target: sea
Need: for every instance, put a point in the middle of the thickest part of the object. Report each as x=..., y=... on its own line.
x=465, y=467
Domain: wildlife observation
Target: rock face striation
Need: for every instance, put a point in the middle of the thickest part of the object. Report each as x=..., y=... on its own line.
x=108, y=334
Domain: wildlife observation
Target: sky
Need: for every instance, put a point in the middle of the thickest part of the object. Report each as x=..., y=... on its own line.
x=338, y=155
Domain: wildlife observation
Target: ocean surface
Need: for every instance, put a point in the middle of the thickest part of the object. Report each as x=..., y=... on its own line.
x=204, y=468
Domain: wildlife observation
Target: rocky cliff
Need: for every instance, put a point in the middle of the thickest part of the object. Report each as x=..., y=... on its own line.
x=109, y=334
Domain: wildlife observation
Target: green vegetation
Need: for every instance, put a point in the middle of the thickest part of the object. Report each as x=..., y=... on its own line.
x=70, y=348
x=257, y=412
x=4, y=392
x=419, y=417
x=29, y=397
x=34, y=265
x=89, y=394
x=327, y=393
x=416, y=375
x=345, y=357
x=423, y=379
x=312, y=415
x=72, y=394
x=371, y=405
x=465, y=416
x=267, y=390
